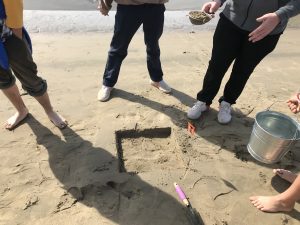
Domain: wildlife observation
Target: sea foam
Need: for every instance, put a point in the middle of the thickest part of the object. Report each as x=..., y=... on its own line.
x=40, y=21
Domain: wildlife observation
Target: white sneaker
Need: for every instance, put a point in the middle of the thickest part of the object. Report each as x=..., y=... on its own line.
x=224, y=115
x=162, y=85
x=104, y=93
x=195, y=112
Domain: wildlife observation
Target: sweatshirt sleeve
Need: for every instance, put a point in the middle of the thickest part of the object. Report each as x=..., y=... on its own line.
x=222, y=1
x=108, y=3
x=14, y=13
x=292, y=8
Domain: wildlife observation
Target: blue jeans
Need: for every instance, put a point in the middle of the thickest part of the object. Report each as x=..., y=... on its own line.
x=128, y=20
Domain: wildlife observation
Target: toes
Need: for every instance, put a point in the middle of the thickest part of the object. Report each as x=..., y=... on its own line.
x=63, y=125
x=15, y=120
x=8, y=126
x=278, y=171
x=261, y=207
x=253, y=198
x=257, y=204
x=58, y=120
x=60, y=125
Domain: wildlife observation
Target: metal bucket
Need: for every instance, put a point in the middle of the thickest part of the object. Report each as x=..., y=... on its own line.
x=273, y=135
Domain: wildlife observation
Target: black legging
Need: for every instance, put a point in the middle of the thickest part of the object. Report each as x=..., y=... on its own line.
x=231, y=43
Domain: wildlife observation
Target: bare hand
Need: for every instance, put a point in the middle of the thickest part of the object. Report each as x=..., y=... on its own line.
x=102, y=8
x=294, y=103
x=211, y=7
x=18, y=32
x=268, y=23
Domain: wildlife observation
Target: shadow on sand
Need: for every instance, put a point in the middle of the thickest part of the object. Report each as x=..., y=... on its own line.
x=90, y=175
x=233, y=137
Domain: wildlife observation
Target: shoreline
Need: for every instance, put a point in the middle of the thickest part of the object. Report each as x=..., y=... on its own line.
x=72, y=22
x=91, y=5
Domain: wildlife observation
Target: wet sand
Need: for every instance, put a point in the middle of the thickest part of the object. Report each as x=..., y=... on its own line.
x=73, y=176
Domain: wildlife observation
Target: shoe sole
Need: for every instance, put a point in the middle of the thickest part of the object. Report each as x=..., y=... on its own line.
x=224, y=123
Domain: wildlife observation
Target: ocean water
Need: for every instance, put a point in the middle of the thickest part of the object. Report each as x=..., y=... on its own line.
x=60, y=21
x=65, y=16
x=83, y=5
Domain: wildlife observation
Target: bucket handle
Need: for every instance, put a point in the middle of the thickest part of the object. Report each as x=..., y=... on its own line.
x=296, y=118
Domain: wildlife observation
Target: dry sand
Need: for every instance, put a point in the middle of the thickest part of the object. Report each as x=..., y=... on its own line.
x=53, y=177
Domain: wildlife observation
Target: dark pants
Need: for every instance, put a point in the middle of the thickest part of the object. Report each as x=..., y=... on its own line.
x=128, y=19
x=231, y=43
x=23, y=67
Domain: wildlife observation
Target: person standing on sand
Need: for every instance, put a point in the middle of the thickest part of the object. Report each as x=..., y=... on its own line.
x=15, y=58
x=285, y=201
x=130, y=15
x=247, y=31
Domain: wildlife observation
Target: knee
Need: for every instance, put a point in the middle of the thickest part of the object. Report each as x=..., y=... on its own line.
x=7, y=80
x=37, y=89
x=117, y=52
x=153, y=50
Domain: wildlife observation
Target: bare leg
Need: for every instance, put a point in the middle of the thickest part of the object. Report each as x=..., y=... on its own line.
x=13, y=94
x=279, y=203
x=54, y=117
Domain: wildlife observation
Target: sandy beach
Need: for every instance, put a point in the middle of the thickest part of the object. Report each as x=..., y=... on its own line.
x=117, y=161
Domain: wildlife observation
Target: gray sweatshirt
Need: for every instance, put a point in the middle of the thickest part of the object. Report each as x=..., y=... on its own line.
x=243, y=13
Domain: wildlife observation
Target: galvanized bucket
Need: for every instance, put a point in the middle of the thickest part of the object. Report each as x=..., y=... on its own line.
x=273, y=135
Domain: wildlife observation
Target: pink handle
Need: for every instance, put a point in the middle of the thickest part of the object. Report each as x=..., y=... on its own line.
x=180, y=192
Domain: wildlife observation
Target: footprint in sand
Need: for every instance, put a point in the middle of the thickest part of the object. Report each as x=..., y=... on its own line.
x=262, y=177
x=241, y=152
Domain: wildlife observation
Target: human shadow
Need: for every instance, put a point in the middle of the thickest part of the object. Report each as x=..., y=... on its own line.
x=90, y=176
x=183, y=98
x=230, y=137
x=177, y=116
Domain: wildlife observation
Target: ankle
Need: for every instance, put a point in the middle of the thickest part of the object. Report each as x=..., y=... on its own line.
x=22, y=110
x=49, y=111
x=287, y=203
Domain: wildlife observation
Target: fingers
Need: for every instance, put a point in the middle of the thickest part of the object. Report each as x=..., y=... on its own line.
x=260, y=19
x=294, y=105
x=294, y=108
x=214, y=8
x=206, y=7
x=103, y=8
x=268, y=23
x=258, y=34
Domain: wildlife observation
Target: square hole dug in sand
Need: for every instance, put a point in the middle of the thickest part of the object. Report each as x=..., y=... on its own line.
x=147, y=150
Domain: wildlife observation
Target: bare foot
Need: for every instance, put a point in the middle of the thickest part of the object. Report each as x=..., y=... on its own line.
x=57, y=120
x=13, y=121
x=271, y=204
x=285, y=174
